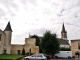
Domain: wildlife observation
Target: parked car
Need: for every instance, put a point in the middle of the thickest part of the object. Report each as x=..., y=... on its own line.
x=36, y=57
x=47, y=56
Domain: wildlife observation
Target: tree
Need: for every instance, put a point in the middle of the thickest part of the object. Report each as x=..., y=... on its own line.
x=37, y=40
x=50, y=43
x=23, y=52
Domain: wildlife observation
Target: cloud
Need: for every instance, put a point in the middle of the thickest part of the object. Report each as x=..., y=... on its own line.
x=8, y=3
x=2, y=13
x=37, y=16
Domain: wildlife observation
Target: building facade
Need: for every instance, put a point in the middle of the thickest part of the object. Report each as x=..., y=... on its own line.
x=7, y=48
x=5, y=40
x=75, y=46
x=30, y=43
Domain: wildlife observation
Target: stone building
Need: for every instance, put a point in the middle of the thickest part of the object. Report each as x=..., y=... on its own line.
x=30, y=43
x=75, y=46
x=5, y=40
x=7, y=48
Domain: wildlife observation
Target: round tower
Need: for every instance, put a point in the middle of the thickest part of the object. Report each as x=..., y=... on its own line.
x=8, y=34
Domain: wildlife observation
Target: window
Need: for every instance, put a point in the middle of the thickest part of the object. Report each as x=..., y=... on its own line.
x=39, y=55
x=4, y=51
x=34, y=55
x=30, y=50
x=18, y=52
x=0, y=37
x=78, y=45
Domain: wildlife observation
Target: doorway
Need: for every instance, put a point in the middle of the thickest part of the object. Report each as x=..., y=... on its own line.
x=4, y=51
x=18, y=52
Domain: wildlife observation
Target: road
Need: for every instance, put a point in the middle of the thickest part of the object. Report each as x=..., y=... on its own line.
x=59, y=59
x=64, y=59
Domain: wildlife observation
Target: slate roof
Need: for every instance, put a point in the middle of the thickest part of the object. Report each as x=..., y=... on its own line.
x=63, y=29
x=63, y=42
x=8, y=27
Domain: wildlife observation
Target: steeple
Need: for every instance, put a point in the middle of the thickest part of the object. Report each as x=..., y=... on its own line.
x=63, y=29
x=8, y=27
x=63, y=32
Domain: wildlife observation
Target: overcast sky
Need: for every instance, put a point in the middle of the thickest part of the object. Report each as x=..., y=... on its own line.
x=37, y=16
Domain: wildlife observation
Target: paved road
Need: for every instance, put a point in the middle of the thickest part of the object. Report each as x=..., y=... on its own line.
x=64, y=59
x=58, y=59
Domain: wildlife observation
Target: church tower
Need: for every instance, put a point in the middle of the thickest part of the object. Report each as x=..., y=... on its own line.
x=8, y=34
x=63, y=33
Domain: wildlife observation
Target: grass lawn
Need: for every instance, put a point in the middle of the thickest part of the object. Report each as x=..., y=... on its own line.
x=2, y=56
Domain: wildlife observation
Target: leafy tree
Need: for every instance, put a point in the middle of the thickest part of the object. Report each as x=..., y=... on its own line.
x=50, y=43
x=37, y=40
x=23, y=52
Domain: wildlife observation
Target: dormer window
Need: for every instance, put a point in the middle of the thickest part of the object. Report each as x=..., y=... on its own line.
x=0, y=36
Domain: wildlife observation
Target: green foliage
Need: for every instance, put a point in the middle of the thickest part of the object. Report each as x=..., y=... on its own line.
x=23, y=52
x=37, y=40
x=40, y=48
x=50, y=43
x=64, y=49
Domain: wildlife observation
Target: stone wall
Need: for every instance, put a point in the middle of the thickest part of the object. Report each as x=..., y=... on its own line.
x=74, y=47
x=2, y=41
x=30, y=43
x=15, y=48
x=29, y=46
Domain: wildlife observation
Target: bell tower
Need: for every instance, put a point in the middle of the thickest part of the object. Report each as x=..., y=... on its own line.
x=63, y=33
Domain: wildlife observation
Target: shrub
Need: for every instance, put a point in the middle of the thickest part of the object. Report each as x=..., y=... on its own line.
x=23, y=52
x=64, y=49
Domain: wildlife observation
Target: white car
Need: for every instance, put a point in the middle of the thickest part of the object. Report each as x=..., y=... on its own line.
x=36, y=57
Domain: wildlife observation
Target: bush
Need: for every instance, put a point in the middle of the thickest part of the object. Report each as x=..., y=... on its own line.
x=64, y=49
x=23, y=52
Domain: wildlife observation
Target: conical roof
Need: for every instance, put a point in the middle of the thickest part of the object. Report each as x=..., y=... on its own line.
x=8, y=27
x=63, y=29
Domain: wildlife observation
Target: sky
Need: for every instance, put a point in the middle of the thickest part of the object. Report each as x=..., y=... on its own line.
x=37, y=16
